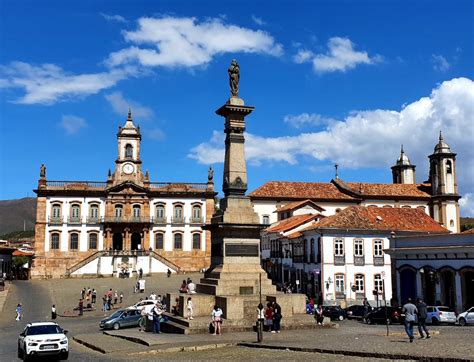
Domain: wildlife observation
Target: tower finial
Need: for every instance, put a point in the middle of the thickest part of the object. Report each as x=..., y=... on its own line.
x=440, y=135
x=401, y=150
x=336, y=166
x=129, y=114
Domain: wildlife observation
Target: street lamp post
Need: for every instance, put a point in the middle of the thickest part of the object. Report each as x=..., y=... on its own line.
x=385, y=300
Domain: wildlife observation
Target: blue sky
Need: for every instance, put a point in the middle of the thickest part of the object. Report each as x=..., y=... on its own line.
x=333, y=82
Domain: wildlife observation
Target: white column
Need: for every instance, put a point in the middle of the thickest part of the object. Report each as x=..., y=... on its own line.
x=438, y=291
x=458, y=288
x=419, y=285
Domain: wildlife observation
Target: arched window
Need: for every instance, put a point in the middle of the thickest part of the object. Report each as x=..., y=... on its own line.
x=56, y=211
x=178, y=213
x=55, y=241
x=159, y=241
x=387, y=206
x=451, y=223
x=118, y=211
x=74, y=241
x=136, y=211
x=94, y=212
x=406, y=207
x=378, y=285
x=160, y=213
x=92, y=241
x=358, y=247
x=178, y=241
x=197, y=241
x=449, y=167
x=339, y=284
x=196, y=213
x=359, y=283
x=128, y=151
x=266, y=219
x=378, y=248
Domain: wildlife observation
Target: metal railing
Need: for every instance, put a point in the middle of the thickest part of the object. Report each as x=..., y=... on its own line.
x=93, y=220
x=339, y=259
x=359, y=260
x=74, y=220
x=379, y=261
x=189, y=185
x=54, y=220
x=78, y=184
x=196, y=220
x=178, y=220
x=160, y=220
x=132, y=219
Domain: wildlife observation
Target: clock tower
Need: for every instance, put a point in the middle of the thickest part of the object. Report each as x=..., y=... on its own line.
x=128, y=166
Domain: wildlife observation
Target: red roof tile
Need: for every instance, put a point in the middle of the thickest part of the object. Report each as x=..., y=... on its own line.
x=390, y=219
x=396, y=190
x=299, y=190
x=297, y=204
x=291, y=223
x=468, y=231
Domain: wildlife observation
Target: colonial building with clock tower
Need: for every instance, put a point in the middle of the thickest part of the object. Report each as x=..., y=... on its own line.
x=124, y=224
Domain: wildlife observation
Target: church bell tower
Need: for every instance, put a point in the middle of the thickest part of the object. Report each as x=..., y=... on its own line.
x=444, y=188
x=128, y=165
x=403, y=172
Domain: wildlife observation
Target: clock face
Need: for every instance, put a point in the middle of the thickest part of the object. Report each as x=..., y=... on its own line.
x=128, y=168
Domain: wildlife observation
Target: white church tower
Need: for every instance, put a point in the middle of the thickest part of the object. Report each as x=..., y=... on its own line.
x=444, y=188
x=403, y=172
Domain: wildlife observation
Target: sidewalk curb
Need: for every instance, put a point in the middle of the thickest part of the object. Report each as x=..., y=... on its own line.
x=355, y=353
x=89, y=345
x=131, y=339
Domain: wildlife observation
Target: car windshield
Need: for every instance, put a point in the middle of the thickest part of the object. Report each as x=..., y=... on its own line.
x=116, y=314
x=46, y=329
x=444, y=309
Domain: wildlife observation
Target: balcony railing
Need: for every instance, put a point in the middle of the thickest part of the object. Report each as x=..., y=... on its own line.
x=339, y=260
x=196, y=220
x=133, y=219
x=76, y=184
x=178, y=220
x=359, y=260
x=160, y=220
x=93, y=220
x=379, y=261
x=177, y=185
x=74, y=220
x=340, y=295
x=53, y=220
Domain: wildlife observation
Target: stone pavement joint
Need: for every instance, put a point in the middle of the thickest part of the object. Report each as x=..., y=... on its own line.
x=354, y=353
x=104, y=344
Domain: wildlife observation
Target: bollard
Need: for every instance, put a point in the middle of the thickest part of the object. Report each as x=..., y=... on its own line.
x=259, y=331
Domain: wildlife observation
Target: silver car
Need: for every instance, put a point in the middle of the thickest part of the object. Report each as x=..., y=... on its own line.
x=437, y=315
x=466, y=317
x=122, y=318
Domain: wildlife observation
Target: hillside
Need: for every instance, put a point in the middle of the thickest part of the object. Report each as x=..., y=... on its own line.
x=16, y=214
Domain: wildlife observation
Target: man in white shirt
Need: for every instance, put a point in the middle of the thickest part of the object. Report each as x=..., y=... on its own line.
x=191, y=287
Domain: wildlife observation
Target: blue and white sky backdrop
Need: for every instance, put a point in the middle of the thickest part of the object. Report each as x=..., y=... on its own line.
x=342, y=82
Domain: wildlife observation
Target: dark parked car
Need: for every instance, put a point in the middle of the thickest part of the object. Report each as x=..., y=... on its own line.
x=334, y=312
x=121, y=318
x=378, y=315
x=356, y=311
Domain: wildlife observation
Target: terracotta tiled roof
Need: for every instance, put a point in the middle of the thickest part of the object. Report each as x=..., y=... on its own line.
x=390, y=219
x=468, y=231
x=22, y=253
x=291, y=223
x=299, y=190
x=297, y=204
x=294, y=235
x=396, y=190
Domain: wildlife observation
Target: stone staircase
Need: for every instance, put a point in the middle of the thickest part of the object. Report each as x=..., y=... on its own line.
x=84, y=262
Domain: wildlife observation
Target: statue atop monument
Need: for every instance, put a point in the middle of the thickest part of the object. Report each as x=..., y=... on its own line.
x=43, y=171
x=234, y=78
x=210, y=174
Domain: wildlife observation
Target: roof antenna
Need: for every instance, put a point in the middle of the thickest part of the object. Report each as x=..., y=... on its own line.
x=336, y=166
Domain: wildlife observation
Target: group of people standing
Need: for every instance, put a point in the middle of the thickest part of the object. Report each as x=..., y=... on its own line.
x=272, y=316
x=110, y=298
x=187, y=286
x=155, y=315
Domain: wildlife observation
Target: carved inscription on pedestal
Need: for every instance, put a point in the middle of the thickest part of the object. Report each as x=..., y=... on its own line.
x=241, y=250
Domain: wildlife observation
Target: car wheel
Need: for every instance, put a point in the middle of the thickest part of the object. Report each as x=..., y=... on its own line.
x=24, y=354
x=462, y=322
x=369, y=321
x=64, y=356
x=20, y=352
x=116, y=326
x=389, y=321
x=341, y=317
x=434, y=321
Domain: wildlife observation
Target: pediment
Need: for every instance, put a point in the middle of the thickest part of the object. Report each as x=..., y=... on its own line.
x=127, y=187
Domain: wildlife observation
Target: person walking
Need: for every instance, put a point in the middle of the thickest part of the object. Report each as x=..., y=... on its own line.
x=410, y=316
x=217, y=319
x=189, y=309
x=276, y=317
x=53, y=312
x=142, y=320
x=19, y=312
x=104, y=303
x=115, y=297
x=94, y=296
x=422, y=314
x=269, y=317
x=157, y=312
x=81, y=307
x=140, y=273
x=168, y=273
x=121, y=297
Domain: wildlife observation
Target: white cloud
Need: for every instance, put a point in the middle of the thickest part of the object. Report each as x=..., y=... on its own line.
x=466, y=205
x=257, y=20
x=121, y=105
x=156, y=134
x=72, y=124
x=307, y=119
x=440, y=63
x=372, y=138
x=341, y=56
x=116, y=18
x=185, y=42
x=48, y=83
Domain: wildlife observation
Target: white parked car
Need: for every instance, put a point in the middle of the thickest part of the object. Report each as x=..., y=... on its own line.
x=439, y=314
x=43, y=338
x=466, y=317
x=147, y=304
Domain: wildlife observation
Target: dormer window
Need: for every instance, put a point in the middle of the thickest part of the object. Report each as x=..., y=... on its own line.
x=128, y=151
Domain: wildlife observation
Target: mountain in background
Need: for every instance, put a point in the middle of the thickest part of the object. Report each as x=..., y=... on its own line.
x=17, y=215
